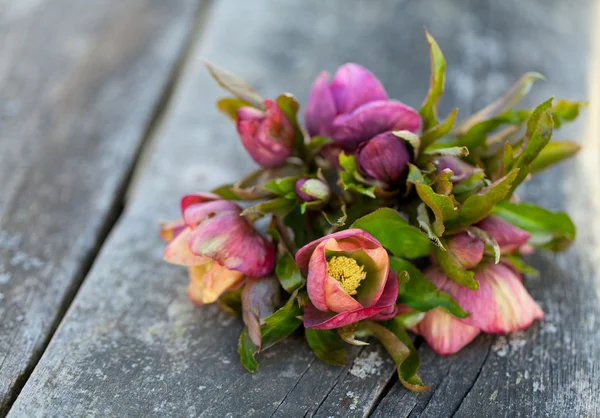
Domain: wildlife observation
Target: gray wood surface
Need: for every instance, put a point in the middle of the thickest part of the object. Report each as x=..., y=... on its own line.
x=79, y=84
x=132, y=345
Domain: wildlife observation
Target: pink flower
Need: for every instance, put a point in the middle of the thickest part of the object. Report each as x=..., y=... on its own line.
x=355, y=107
x=500, y=305
x=267, y=136
x=509, y=237
x=348, y=279
x=220, y=246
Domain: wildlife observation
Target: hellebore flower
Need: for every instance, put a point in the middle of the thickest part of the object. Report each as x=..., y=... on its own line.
x=220, y=246
x=460, y=169
x=384, y=158
x=466, y=249
x=355, y=107
x=500, y=305
x=509, y=237
x=267, y=136
x=312, y=190
x=348, y=279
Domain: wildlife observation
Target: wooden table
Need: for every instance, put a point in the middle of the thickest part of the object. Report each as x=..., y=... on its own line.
x=108, y=117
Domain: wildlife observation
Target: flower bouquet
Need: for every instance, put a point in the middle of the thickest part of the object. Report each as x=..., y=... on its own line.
x=374, y=219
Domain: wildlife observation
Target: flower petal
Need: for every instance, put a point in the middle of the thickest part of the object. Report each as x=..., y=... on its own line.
x=208, y=281
x=364, y=239
x=178, y=251
x=317, y=276
x=371, y=119
x=320, y=110
x=501, y=304
x=353, y=86
x=233, y=242
x=317, y=319
x=509, y=237
x=197, y=212
x=444, y=333
x=169, y=230
x=337, y=299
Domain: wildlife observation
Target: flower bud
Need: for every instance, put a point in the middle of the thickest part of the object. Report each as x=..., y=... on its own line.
x=468, y=250
x=384, y=158
x=267, y=136
x=312, y=190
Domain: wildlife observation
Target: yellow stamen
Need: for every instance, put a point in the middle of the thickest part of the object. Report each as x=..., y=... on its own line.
x=346, y=271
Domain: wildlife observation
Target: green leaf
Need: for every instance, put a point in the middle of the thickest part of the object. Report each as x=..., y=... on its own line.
x=420, y=294
x=350, y=178
x=539, y=132
x=410, y=366
x=470, y=185
x=551, y=230
x=412, y=138
x=409, y=319
x=442, y=206
x=285, y=186
x=394, y=233
x=234, y=85
x=327, y=345
x=553, y=153
x=348, y=162
x=317, y=143
x=566, y=111
x=226, y=191
x=288, y=273
x=478, y=206
x=436, y=86
x=289, y=106
x=230, y=106
x=247, y=350
x=425, y=225
x=397, y=350
x=454, y=269
x=440, y=130
x=477, y=134
x=502, y=104
x=451, y=151
x=280, y=206
x=281, y=323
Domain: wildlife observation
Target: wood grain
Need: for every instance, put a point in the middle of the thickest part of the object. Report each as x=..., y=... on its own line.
x=132, y=345
x=79, y=84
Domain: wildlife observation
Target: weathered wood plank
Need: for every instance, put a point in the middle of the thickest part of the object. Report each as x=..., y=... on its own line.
x=143, y=349
x=79, y=83
x=551, y=369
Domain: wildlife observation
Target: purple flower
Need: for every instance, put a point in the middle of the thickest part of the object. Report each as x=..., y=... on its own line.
x=267, y=136
x=384, y=158
x=355, y=107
